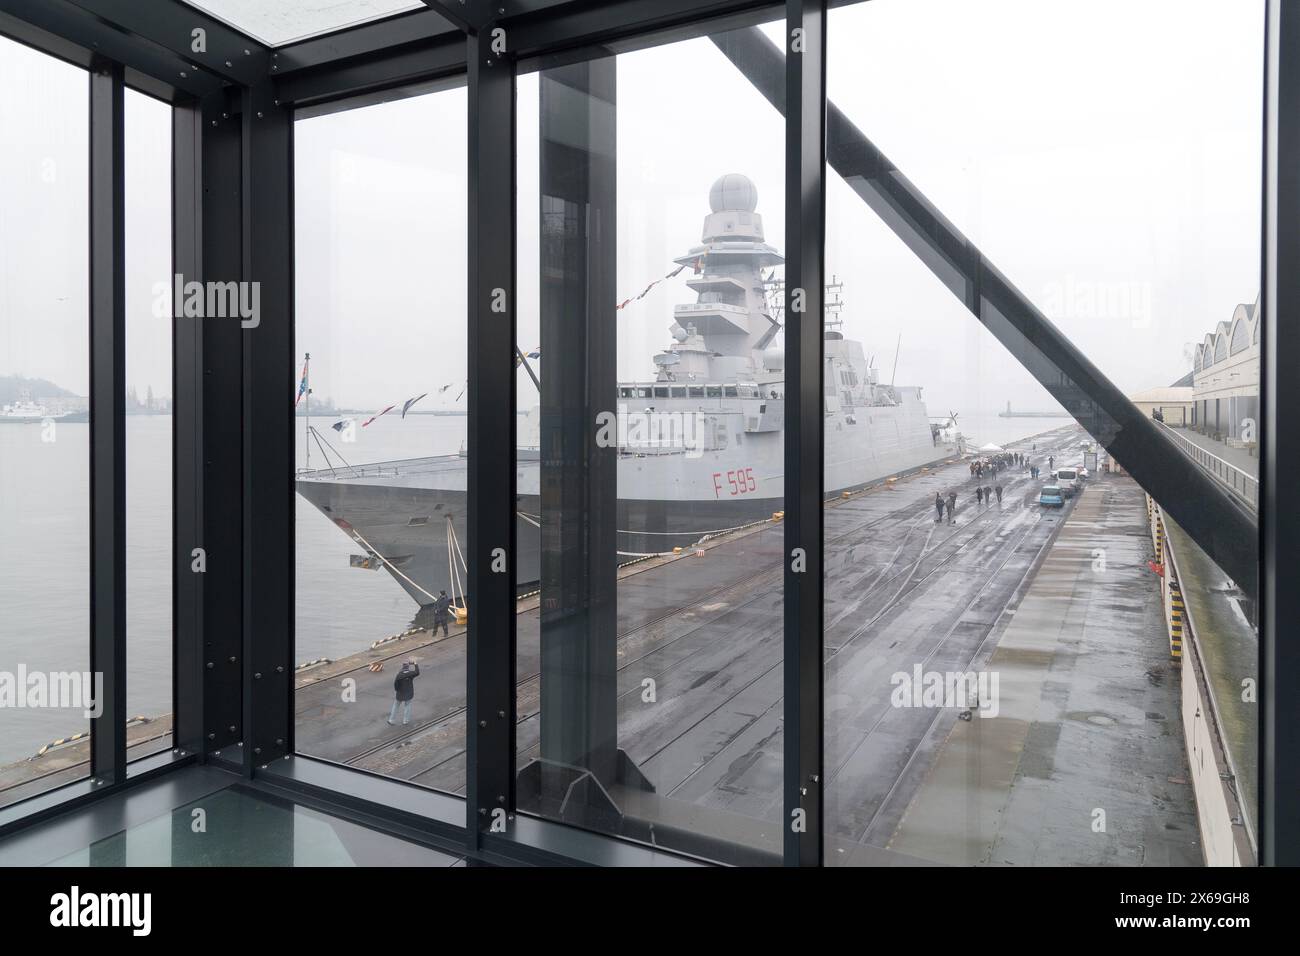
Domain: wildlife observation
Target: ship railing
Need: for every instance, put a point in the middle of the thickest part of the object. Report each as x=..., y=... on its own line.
x=711, y=307
x=350, y=471
x=656, y=451
x=379, y=469
x=1241, y=483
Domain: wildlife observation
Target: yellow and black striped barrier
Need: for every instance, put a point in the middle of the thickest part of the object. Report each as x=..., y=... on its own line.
x=1175, y=609
x=59, y=743
x=1177, y=615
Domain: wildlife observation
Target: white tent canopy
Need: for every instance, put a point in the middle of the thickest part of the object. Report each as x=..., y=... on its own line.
x=991, y=449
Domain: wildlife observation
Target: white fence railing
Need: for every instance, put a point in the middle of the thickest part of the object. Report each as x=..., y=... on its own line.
x=1242, y=483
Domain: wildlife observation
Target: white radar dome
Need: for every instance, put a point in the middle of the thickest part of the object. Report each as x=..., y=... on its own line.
x=733, y=191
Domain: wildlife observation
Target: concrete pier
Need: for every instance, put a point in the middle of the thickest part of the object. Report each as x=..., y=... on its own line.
x=1085, y=763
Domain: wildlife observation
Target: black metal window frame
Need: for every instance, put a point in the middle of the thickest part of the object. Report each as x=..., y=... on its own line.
x=233, y=219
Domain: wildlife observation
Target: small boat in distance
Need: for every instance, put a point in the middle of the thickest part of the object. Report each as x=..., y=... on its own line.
x=26, y=412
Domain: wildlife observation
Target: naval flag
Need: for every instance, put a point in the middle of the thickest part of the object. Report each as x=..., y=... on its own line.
x=302, y=385
x=411, y=401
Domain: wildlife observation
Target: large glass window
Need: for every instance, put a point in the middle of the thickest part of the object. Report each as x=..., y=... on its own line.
x=1027, y=660
x=148, y=424
x=44, y=430
x=651, y=450
x=379, y=391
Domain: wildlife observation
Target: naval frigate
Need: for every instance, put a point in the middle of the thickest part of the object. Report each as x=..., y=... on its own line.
x=700, y=443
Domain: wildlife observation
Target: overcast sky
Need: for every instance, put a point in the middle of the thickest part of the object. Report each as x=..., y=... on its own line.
x=1105, y=156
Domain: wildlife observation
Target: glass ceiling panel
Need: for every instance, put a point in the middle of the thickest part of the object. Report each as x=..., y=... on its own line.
x=277, y=22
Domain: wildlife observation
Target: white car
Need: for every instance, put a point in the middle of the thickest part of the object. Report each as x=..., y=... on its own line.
x=1067, y=479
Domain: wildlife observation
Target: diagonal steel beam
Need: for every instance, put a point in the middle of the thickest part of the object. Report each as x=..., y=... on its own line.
x=1222, y=527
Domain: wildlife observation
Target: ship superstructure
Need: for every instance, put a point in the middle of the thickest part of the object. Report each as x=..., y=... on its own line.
x=700, y=443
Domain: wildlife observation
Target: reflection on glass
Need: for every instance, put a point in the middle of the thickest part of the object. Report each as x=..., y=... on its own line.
x=44, y=430
x=1028, y=661
x=379, y=393
x=651, y=461
x=148, y=424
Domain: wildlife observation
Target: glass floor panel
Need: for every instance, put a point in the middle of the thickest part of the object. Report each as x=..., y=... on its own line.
x=239, y=827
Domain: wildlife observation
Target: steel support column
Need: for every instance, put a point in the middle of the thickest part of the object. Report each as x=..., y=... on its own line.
x=1279, y=664
x=107, y=421
x=805, y=233
x=490, y=690
x=268, y=442
x=187, y=436
x=222, y=449
x=579, y=494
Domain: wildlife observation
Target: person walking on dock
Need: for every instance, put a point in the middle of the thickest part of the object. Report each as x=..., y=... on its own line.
x=979, y=495
x=1051, y=462
x=988, y=495
x=998, y=489
x=952, y=507
x=441, y=613
x=404, y=691
x=938, y=507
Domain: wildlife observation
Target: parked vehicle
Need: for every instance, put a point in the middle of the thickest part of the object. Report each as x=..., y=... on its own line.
x=1051, y=497
x=1067, y=479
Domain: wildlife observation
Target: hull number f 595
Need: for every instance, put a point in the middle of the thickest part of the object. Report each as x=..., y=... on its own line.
x=738, y=482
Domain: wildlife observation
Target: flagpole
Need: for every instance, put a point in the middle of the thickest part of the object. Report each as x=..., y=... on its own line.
x=306, y=379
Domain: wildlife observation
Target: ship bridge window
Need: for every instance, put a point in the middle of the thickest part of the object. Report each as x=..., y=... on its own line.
x=696, y=391
x=661, y=392
x=731, y=391
x=713, y=391
x=644, y=393
x=679, y=391
x=625, y=392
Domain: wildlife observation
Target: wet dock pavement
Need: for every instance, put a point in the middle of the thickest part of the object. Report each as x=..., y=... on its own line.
x=1085, y=763
x=901, y=591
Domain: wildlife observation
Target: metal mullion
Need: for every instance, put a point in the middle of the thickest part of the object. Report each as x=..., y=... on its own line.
x=268, y=445
x=107, y=420
x=187, y=436
x=805, y=199
x=1279, y=527
x=220, y=387
x=490, y=671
